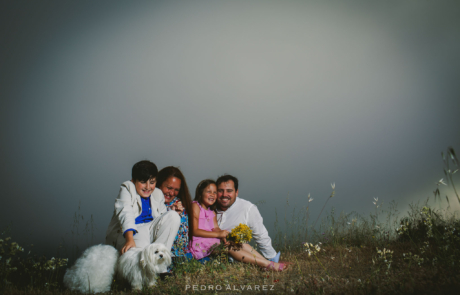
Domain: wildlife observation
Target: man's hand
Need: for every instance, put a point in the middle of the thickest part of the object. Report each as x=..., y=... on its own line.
x=129, y=242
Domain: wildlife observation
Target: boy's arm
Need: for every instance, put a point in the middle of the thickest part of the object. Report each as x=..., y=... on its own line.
x=126, y=216
x=129, y=236
x=124, y=209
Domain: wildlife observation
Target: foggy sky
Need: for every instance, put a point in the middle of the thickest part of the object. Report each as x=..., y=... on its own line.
x=288, y=96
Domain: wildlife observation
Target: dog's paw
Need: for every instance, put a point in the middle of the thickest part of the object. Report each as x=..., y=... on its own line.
x=136, y=287
x=152, y=283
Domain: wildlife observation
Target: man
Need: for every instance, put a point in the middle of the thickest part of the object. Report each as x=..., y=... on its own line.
x=140, y=216
x=231, y=211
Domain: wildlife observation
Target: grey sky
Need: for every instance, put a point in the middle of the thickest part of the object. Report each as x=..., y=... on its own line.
x=288, y=96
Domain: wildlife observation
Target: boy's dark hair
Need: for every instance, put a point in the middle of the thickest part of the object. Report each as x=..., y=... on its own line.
x=226, y=178
x=144, y=170
x=200, y=189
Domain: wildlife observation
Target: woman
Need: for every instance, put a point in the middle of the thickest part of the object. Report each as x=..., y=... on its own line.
x=171, y=182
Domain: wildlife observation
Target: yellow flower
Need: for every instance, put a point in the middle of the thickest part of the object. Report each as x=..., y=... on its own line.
x=240, y=234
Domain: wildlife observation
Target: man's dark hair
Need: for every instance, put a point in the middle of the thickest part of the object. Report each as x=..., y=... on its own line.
x=226, y=178
x=144, y=170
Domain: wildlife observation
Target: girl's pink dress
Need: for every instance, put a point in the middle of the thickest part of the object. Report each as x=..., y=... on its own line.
x=199, y=247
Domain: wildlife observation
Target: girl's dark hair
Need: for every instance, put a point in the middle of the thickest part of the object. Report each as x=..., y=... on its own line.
x=144, y=170
x=200, y=189
x=184, y=193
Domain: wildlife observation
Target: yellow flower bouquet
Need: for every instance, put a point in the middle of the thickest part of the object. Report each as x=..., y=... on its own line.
x=241, y=234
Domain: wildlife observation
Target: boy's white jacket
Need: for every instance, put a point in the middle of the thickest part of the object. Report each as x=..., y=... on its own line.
x=128, y=206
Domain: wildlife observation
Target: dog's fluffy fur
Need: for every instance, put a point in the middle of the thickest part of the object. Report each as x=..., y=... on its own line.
x=93, y=272
x=141, y=266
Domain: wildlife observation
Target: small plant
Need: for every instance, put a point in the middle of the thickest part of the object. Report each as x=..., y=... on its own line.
x=8, y=259
x=403, y=228
x=413, y=258
x=312, y=249
x=26, y=270
x=450, y=171
x=384, y=257
x=327, y=200
x=427, y=220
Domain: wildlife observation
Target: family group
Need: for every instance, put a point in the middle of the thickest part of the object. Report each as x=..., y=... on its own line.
x=156, y=207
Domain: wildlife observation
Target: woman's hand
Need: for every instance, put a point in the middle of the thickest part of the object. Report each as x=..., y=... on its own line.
x=129, y=242
x=178, y=207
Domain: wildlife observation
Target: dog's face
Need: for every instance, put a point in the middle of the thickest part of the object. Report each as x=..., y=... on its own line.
x=156, y=256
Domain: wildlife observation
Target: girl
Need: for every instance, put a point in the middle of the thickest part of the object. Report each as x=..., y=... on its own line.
x=206, y=232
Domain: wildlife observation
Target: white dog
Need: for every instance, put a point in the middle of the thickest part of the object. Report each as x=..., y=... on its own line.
x=141, y=266
x=93, y=272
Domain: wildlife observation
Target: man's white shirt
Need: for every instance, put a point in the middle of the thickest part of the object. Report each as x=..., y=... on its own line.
x=245, y=212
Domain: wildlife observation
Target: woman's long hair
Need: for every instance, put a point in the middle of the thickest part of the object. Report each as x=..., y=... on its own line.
x=184, y=193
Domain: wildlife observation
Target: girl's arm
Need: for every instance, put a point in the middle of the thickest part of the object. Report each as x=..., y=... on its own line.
x=217, y=229
x=203, y=233
x=216, y=226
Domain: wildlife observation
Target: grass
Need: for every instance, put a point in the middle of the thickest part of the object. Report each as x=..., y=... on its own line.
x=382, y=253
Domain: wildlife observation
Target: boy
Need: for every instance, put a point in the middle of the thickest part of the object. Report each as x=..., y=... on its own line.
x=140, y=216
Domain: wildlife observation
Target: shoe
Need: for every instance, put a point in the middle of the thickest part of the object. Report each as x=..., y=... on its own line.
x=276, y=258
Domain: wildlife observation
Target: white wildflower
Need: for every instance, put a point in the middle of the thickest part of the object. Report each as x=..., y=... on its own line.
x=441, y=181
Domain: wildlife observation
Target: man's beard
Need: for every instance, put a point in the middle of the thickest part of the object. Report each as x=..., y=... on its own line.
x=220, y=206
